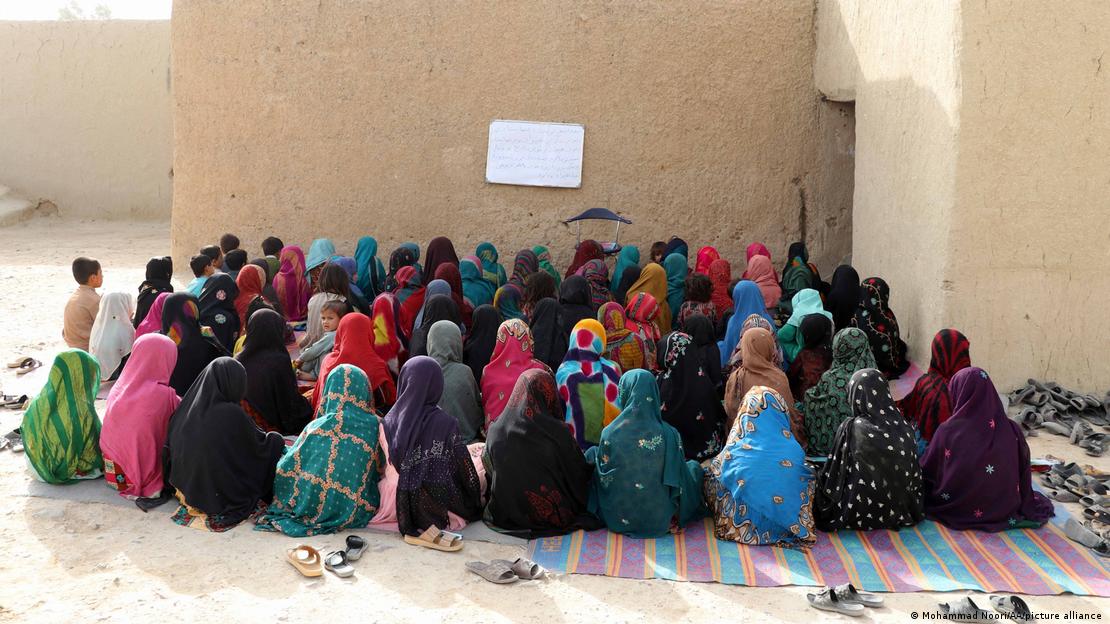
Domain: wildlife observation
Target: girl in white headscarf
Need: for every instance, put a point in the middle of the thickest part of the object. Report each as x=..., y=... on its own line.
x=112, y=333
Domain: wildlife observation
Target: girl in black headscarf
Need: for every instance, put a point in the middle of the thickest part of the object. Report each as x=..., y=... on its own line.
x=574, y=298
x=688, y=399
x=627, y=279
x=481, y=340
x=272, y=397
x=843, y=296
x=159, y=271
x=548, y=334
x=877, y=320
x=438, y=308
x=538, y=480
x=221, y=463
x=217, y=309
x=180, y=321
x=701, y=330
x=400, y=258
x=815, y=357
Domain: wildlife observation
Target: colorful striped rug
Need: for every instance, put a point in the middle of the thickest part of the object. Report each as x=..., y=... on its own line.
x=928, y=557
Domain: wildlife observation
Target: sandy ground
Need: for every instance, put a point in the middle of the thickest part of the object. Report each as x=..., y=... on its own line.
x=87, y=561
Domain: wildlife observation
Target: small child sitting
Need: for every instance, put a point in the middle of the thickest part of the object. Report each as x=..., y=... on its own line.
x=201, y=264
x=699, y=293
x=81, y=309
x=308, y=364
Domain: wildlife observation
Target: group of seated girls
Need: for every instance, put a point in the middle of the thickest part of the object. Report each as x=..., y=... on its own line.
x=451, y=390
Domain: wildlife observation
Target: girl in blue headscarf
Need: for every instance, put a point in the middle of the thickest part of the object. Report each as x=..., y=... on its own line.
x=628, y=257
x=759, y=488
x=491, y=270
x=370, y=270
x=476, y=289
x=643, y=486
x=747, y=299
x=319, y=253
x=675, y=266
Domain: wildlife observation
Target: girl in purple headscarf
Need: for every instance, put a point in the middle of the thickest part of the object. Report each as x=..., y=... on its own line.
x=976, y=470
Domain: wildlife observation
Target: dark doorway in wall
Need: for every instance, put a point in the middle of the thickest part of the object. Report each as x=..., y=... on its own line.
x=829, y=228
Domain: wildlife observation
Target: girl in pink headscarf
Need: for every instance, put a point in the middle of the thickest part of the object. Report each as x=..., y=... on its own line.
x=512, y=355
x=706, y=257
x=291, y=285
x=152, y=322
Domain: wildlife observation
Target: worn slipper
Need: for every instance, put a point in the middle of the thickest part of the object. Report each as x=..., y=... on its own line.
x=1056, y=427
x=1079, y=431
x=495, y=571
x=847, y=593
x=336, y=563
x=15, y=403
x=1012, y=606
x=1078, y=533
x=305, y=559
x=20, y=361
x=28, y=366
x=525, y=569
x=965, y=610
x=355, y=547
x=1093, y=499
x=1063, y=496
x=1097, y=513
x=15, y=440
x=826, y=600
x=437, y=539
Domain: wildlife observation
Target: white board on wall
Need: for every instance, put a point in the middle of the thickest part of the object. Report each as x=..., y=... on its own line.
x=535, y=153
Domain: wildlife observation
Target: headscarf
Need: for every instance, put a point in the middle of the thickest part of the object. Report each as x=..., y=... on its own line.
x=796, y=252
x=844, y=296
x=547, y=332
x=976, y=468
x=762, y=273
x=757, y=249
x=539, y=480
x=688, y=397
x=676, y=269
x=60, y=429
x=319, y=252
x=929, y=404
x=180, y=321
x=249, y=282
x=877, y=320
x=493, y=272
x=112, y=332
x=815, y=357
x=450, y=274
x=623, y=346
x=798, y=275
x=575, y=297
x=220, y=462
x=460, y=392
x=643, y=484
x=354, y=345
x=400, y=258
x=620, y=293
x=436, y=288
x=874, y=458
x=408, y=282
x=525, y=264
x=703, y=333
x=807, y=301
x=371, y=272
x=269, y=295
x=435, y=474
x=678, y=246
x=507, y=301
x=720, y=275
x=512, y=355
x=290, y=284
x=706, y=257
x=389, y=338
x=628, y=258
x=328, y=480
x=159, y=272
x=587, y=250
x=415, y=249
x=826, y=404
x=440, y=251
x=544, y=256
x=217, y=308
x=152, y=323
x=271, y=384
x=597, y=274
x=350, y=267
x=759, y=369
x=653, y=281
x=759, y=488
x=588, y=383
x=482, y=337
x=477, y=289
x=139, y=408
x=746, y=301
x=737, y=357
x=642, y=318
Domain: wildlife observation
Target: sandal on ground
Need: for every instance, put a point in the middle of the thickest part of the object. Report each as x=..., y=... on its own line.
x=848, y=593
x=19, y=362
x=355, y=547
x=1080, y=534
x=306, y=560
x=1057, y=428
x=1098, y=513
x=1094, y=499
x=525, y=569
x=437, y=539
x=27, y=366
x=1094, y=444
x=1012, y=606
x=495, y=571
x=826, y=600
x=1079, y=431
x=15, y=440
x=1077, y=484
x=1062, y=496
x=336, y=563
x=965, y=610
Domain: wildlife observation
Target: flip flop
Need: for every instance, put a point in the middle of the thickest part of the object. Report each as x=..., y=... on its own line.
x=1013, y=606
x=826, y=600
x=20, y=361
x=27, y=367
x=437, y=539
x=15, y=402
x=336, y=563
x=966, y=611
x=525, y=569
x=355, y=547
x=495, y=571
x=306, y=560
x=847, y=593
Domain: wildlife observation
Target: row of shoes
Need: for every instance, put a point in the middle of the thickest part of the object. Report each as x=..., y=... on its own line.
x=308, y=562
x=1071, y=483
x=1077, y=416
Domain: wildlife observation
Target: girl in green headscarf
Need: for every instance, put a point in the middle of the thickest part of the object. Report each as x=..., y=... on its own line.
x=826, y=404
x=628, y=257
x=491, y=270
x=61, y=431
x=643, y=486
x=328, y=480
x=544, y=256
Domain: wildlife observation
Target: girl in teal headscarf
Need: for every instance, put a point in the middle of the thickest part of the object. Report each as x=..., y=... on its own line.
x=807, y=301
x=759, y=487
x=507, y=301
x=371, y=272
x=328, y=480
x=643, y=486
x=493, y=272
x=675, y=266
x=628, y=257
x=544, y=256
x=416, y=254
x=477, y=290
x=61, y=432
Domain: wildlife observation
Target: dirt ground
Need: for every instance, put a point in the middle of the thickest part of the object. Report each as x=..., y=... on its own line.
x=68, y=560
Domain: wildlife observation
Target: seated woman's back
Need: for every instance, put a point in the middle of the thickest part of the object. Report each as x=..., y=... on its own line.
x=588, y=383
x=60, y=428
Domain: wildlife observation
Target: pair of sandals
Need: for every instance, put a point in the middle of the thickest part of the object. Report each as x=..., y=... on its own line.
x=845, y=599
x=966, y=610
x=13, y=440
x=1086, y=535
x=24, y=365
x=503, y=571
x=309, y=563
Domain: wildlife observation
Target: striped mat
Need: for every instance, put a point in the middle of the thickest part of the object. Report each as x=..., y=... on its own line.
x=928, y=557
